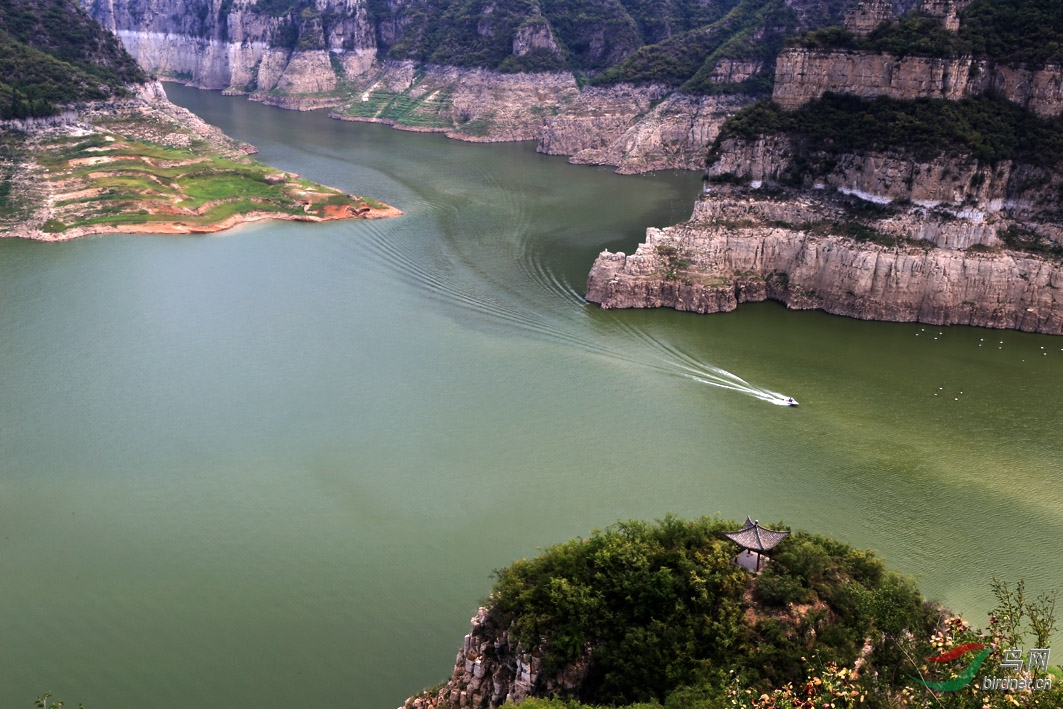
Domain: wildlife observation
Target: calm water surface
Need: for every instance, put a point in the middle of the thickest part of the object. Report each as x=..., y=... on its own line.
x=276, y=467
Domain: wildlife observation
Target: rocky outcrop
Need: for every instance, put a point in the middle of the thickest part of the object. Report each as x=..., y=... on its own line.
x=533, y=36
x=674, y=134
x=947, y=11
x=957, y=184
x=341, y=54
x=491, y=670
x=867, y=15
x=741, y=246
x=802, y=75
x=470, y=104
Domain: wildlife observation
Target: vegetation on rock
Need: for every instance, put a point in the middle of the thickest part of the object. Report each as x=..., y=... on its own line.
x=53, y=53
x=668, y=614
x=680, y=43
x=988, y=128
x=670, y=622
x=1008, y=31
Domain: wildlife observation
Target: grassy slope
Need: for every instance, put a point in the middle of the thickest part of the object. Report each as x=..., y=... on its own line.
x=143, y=171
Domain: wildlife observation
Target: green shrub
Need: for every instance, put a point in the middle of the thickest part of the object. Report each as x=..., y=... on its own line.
x=662, y=607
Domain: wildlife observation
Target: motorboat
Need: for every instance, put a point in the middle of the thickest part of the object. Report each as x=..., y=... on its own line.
x=790, y=401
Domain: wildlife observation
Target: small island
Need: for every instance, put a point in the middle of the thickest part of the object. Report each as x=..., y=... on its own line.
x=144, y=165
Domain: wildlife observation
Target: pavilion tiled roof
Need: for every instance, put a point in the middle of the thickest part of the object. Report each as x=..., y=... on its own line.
x=753, y=536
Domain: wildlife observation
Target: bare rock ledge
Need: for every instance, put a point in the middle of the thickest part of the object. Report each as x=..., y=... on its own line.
x=741, y=247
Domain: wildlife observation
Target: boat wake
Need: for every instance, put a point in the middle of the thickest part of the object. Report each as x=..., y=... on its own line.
x=540, y=304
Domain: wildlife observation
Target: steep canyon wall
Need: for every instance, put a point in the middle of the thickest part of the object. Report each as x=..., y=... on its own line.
x=740, y=246
x=330, y=55
x=802, y=75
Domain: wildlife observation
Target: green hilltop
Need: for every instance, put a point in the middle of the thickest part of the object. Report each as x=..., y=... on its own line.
x=657, y=616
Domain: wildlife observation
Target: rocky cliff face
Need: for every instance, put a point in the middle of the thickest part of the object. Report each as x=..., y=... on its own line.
x=490, y=671
x=802, y=75
x=636, y=128
x=330, y=58
x=953, y=184
x=453, y=68
x=742, y=246
x=241, y=48
x=883, y=234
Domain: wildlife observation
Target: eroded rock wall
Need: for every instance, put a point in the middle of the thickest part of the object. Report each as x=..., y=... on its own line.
x=741, y=246
x=241, y=48
x=329, y=56
x=955, y=184
x=802, y=75
x=636, y=128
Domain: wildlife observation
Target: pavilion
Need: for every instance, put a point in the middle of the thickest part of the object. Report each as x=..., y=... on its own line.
x=755, y=541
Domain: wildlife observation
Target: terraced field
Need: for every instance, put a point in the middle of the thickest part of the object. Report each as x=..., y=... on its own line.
x=108, y=180
x=428, y=110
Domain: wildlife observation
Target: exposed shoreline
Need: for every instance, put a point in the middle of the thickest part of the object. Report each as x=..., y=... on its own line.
x=178, y=228
x=146, y=166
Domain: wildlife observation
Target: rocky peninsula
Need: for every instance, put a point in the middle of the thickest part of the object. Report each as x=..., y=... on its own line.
x=140, y=164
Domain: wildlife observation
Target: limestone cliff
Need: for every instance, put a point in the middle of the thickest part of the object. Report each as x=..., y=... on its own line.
x=742, y=245
x=485, y=71
x=636, y=128
x=881, y=235
x=242, y=48
x=806, y=203
x=802, y=75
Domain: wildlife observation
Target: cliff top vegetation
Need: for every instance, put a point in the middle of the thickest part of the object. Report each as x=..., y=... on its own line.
x=680, y=43
x=53, y=53
x=1008, y=31
x=668, y=621
x=752, y=31
x=988, y=128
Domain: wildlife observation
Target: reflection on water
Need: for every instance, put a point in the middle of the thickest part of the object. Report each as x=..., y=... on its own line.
x=276, y=466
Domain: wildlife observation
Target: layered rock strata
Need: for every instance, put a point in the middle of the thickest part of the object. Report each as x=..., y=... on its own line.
x=636, y=128
x=331, y=55
x=470, y=104
x=973, y=194
x=245, y=49
x=743, y=245
x=802, y=75
x=491, y=670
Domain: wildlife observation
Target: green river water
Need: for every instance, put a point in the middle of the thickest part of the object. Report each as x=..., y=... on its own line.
x=275, y=467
